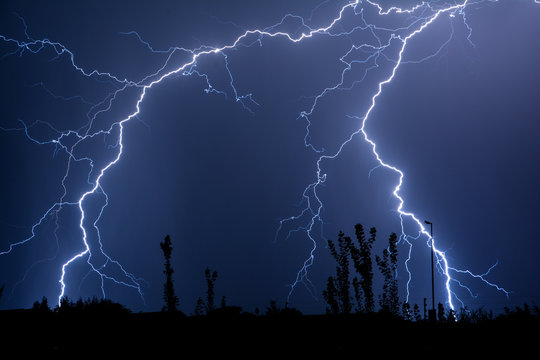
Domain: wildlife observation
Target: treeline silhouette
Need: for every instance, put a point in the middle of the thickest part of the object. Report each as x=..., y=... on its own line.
x=90, y=306
x=359, y=319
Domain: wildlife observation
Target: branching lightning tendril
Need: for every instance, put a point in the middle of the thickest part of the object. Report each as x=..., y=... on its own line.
x=419, y=18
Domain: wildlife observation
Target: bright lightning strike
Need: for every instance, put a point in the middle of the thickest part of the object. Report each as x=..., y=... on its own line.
x=420, y=18
x=314, y=204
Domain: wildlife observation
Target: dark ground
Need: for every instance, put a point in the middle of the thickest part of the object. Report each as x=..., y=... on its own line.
x=27, y=332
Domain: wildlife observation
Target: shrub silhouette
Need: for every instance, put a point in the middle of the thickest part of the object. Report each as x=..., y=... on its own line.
x=203, y=308
x=273, y=310
x=171, y=300
x=389, y=299
x=89, y=306
x=361, y=256
x=42, y=307
x=337, y=293
x=211, y=278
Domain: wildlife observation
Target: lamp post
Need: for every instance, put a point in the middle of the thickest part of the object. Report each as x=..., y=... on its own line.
x=432, y=312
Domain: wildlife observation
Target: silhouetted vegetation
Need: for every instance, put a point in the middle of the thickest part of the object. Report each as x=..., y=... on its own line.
x=171, y=300
x=89, y=306
x=361, y=256
x=416, y=313
x=203, y=308
x=273, y=310
x=42, y=307
x=337, y=293
x=208, y=307
x=406, y=311
x=351, y=325
x=387, y=263
x=211, y=278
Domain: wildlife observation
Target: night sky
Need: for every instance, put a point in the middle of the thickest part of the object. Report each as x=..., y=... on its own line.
x=219, y=154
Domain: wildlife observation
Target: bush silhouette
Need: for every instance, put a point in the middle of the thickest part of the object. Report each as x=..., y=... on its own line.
x=171, y=300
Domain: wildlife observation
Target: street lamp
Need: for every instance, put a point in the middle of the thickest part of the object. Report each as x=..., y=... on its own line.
x=432, y=274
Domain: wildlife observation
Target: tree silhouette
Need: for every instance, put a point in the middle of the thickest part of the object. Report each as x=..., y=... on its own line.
x=273, y=310
x=389, y=299
x=203, y=308
x=451, y=317
x=42, y=307
x=337, y=293
x=211, y=278
x=89, y=306
x=416, y=313
x=200, y=307
x=330, y=296
x=363, y=264
x=171, y=300
x=440, y=312
x=406, y=310
x=223, y=302
x=477, y=316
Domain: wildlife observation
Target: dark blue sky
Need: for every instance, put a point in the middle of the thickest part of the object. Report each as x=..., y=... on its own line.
x=217, y=171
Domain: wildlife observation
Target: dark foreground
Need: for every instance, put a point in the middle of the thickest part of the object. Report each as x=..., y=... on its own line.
x=149, y=334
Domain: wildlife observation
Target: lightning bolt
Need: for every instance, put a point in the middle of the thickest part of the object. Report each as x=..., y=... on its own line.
x=188, y=68
x=314, y=204
x=420, y=17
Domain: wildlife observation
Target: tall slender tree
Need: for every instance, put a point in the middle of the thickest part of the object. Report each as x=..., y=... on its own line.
x=171, y=300
x=361, y=257
x=389, y=300
x=416, y=313
x=337, y=292
x=330, y=296
x=211, y=278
